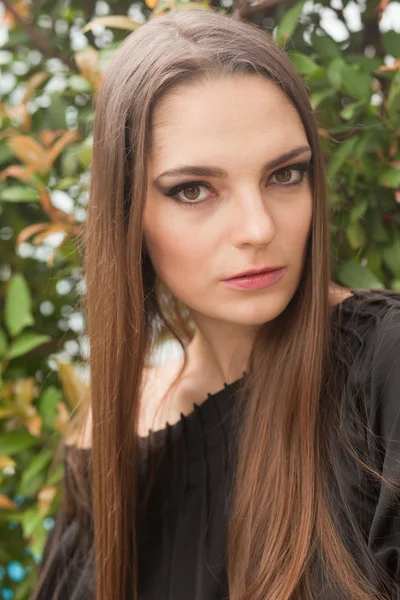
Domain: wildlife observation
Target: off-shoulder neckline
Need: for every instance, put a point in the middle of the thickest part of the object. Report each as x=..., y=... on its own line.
x=218, y=396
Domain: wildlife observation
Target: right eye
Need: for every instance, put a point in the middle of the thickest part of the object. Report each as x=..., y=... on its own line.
x=192, y=193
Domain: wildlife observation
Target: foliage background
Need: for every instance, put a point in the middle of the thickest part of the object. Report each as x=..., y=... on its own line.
x=52, y=58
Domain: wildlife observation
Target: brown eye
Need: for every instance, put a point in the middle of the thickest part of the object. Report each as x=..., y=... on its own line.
x=284, y=175
x=284, y=178
x=191, y=192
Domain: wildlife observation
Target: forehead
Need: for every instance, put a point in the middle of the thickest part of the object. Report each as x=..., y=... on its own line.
x=232, y=114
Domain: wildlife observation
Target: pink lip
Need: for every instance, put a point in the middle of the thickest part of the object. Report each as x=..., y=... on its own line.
x=257, y=281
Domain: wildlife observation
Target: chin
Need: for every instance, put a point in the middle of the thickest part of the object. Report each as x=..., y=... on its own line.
x=262, y=311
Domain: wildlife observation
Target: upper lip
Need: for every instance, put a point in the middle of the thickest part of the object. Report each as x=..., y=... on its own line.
x=254, y=272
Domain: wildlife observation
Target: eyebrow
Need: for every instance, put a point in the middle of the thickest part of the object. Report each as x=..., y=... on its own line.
x=202, y=171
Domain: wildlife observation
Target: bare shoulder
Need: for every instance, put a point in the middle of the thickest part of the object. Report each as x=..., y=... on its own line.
x=156, y=386
x=338, y=293
x=83, y=437
x=156, y=381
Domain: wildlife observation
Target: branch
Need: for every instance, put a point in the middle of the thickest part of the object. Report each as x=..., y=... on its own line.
x=41, y=42
x=245, y=10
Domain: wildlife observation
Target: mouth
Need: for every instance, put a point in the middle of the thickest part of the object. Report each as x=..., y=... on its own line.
x=256, y=280
x=253, y=272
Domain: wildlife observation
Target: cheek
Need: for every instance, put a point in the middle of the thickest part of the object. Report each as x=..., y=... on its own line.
x=296, y=223
x=176, y=255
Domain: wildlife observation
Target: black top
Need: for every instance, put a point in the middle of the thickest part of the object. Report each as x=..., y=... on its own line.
x=183, y=532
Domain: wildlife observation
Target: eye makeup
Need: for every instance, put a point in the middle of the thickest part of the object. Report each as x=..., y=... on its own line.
x=302, y=167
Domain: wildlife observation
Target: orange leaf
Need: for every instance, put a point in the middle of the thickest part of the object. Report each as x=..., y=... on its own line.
x=30, y=152
x=50, y=229
x=381, y=156
x=88, y=65
x=7, y=503
x=22, y=8
x=397, y=196
x=24, y=392
x=26, y=233
x=112, y=21
x=324, y=133
x=18, y=112
x=33, y=83
x=393, y=149
x=17, y=171
x=394, y=67
x=381, y=7
x=62, y=417
x=64, y=140
x=34, y=425
x=72, y=384
x=48, y=136
x=54, y=213
x=151, y=3
x=45, y=498
x=7, y=461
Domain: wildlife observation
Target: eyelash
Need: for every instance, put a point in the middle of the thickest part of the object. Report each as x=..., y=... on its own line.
x=303, y=167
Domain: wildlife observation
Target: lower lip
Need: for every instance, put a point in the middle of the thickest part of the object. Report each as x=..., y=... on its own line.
x=255, y=282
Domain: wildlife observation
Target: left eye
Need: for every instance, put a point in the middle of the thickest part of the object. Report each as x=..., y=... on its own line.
x=284, y=176
x=191, y=191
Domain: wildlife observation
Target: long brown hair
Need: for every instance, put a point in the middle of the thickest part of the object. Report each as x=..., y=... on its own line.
x=281, y=519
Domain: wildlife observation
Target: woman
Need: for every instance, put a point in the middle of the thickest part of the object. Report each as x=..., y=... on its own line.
x=264, y=464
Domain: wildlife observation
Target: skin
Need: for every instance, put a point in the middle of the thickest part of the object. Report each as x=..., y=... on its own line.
x=249, y=219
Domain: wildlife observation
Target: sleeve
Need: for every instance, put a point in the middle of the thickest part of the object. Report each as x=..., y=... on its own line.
x=67, y=565
x=384, y=422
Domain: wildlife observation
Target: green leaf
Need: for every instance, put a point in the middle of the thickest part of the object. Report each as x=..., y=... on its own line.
x=356, y=236
x=325, y=46
x=31, y=519
x=26, y=342
x=19, y=193
x=17, y=309
x=374, y=262
x=320, y=95
x=303, y=64
x=3, y=343
x=16, y=441
x=393, y=97
x=355, y=275
x=86, y=149
x=57, y=474
x=55, y=112
x=32, y=477
x=66, y=182
x=391, y=257
x=368, y=63
x=377, y=231
x=341, y=154
x=358, y=211
x=78, y=84
x=351, y=110
x=356, y=84
x=334, y=73
x=289, y=22
x=47, y=405
x=390, y=178
x=391, y=43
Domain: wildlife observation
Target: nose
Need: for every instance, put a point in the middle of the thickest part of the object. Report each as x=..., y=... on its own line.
x=252, y=222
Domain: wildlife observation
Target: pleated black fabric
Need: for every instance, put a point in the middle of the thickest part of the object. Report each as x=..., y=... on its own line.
x=182, y=531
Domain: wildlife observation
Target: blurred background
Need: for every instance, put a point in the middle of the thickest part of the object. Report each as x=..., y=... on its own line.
x=53, y=54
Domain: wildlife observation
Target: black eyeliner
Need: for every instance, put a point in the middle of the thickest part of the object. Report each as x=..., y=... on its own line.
x=303, y=167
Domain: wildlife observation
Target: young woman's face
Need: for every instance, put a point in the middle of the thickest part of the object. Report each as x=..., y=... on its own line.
x=228, y=210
